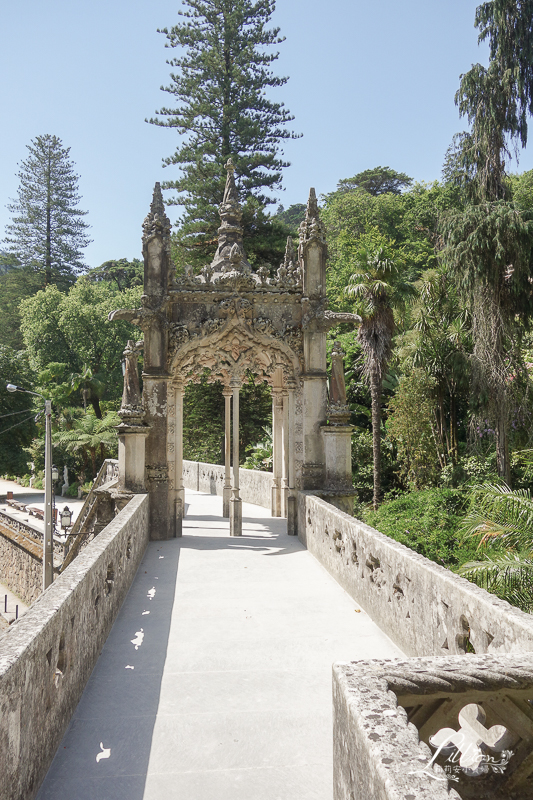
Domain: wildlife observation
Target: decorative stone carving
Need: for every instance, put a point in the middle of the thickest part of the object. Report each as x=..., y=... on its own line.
x=312, y=228
x=156, y=222
x=178, y=336
x=265, y=327
x=211, y=326
x=230, y=256
x=157, y=474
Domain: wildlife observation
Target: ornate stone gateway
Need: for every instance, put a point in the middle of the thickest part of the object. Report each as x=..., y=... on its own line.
x=234, y=322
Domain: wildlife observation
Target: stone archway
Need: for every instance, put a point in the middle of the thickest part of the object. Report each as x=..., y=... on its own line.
x=232, y=320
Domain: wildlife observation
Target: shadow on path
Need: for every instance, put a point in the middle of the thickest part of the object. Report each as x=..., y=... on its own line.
x=118, y=709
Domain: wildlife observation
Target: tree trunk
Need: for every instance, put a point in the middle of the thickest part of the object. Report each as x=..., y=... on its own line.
x=375, y=393
x=95, y=402
x=48, y=254
x=453, y=428
x=503, y=462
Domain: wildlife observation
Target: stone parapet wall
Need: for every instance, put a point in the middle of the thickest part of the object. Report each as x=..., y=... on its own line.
x=21, y=558
x=424, y=608
x=47, y=656
x=255, y=486
x=386, y=713
x=21, y=564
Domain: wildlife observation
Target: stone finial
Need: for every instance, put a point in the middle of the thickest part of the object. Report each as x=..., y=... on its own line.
x=312, y=205
x=230, y=192
x=230, y=231
x=312, y=228
x=290, y=255
x=157, y=222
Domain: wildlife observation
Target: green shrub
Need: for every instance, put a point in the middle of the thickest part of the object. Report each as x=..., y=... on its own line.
x=471, y=470
x=427, y=521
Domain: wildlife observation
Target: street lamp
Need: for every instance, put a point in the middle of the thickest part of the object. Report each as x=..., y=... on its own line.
x=48, y=544
x=66, y=518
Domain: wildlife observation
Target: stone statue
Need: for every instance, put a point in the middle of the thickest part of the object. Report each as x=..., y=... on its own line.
x=131, y=408
x=338, y=408
x=65, y=481
x=337, y=385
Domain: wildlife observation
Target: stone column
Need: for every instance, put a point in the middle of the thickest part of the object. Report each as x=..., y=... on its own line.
x=277, y=451
x=312, y=253
x=179, y=490
x=235, y=515
x=226, y=492
x=285, y=440
x=292, y=515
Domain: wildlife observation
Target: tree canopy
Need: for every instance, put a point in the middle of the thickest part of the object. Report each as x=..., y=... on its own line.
x=47, y=232
x=376, y=181
x=219, y=87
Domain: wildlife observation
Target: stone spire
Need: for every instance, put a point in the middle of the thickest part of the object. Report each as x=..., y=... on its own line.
x=312, y=228
x=157, y=221
x=313, y=250
x=290, y=255
x=230, y=255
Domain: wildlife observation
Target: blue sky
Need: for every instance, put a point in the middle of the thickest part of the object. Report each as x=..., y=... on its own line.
x=370, y=84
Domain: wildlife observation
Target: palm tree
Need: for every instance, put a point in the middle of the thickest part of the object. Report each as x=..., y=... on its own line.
x=90, y=437
x=379, y=288
x=504, y=518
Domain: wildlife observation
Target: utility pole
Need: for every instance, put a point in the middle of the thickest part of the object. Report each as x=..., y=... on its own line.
x=48, y=542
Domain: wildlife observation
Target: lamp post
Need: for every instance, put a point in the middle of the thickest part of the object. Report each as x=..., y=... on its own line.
x=48, y=544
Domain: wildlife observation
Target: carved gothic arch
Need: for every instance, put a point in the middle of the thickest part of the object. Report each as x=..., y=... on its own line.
x=229, y=349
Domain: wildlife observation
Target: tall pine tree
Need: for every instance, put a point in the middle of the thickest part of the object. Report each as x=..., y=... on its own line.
x=47, y=232
x=220, y=84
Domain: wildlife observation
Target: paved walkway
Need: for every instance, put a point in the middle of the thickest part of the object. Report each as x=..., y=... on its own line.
x=215, y=682
x=35, y=497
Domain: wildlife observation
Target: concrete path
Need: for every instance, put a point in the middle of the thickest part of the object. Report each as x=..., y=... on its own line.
x=215, y=682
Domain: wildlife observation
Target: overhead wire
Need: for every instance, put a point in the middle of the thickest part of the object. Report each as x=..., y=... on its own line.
x=24, y=411
x=32, y=416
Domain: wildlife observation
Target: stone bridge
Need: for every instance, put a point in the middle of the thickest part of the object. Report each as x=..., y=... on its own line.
x=200, y=666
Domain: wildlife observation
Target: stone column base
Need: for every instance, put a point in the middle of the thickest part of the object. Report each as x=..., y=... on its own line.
x=235, y=516
x=226, y=497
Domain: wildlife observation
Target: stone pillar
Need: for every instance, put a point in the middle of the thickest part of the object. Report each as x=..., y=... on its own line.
x=156, y=396
x=226, y=492
x=312, y=253
x=235, y=515
x=285, y=446
x=338, y=441
x=338, y=438
x=131, y=457
x=292, y=511
x=277, y=451
x=178, y=495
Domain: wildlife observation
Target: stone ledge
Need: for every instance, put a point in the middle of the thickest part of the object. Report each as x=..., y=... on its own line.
x=380, y=754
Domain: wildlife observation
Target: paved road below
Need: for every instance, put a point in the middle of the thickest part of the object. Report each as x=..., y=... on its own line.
x=215, y=682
